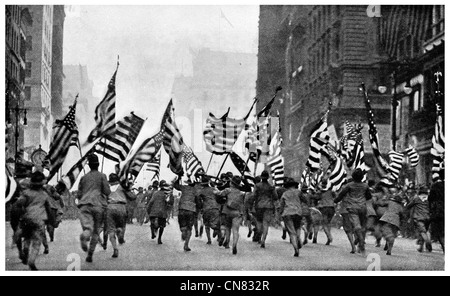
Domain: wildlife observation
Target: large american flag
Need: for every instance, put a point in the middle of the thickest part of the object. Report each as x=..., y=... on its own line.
x=338, y=175
x=221, y=134
x=145, y=153
x=413, y=156
x=319, y=138
x=116, y=146
x=438, y=144
x=65, y=133
x=105, y=113
x=154, y=166
x=193, y=165
x=173, y=141
x=252, y=142
x=381, y=164
x=276, y=161
x=395, y=163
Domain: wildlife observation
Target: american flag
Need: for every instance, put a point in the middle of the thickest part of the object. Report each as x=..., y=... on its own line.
x=319, y=138
x=438, y=144
x=221, y=134
x=395, y=163
x=116, y=146
x=252, y=143
x=65, y=133
x=338, y=175
x=173, y=141
x=242, y=167
x=265, y=138
x=72, y=175
x=306, y=178
x=154, y=166
x=276, y=161
x=413, y=156
x=145, y=153
x=105, y=113
x=11, y=185
x=380, y=162
x=193, y=165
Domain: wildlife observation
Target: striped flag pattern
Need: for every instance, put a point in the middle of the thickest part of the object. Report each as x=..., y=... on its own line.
x=11, y=185
x=193, y=165
x=65, y=133
x=338, y=175
x=220, y=134
x=438, y=144
x=395, y=163
x=276, y=161
x=145, y=153
x=173, y=141
x=252, y=143
x=241, y=166
x=105, y=113
x=413, y=156
x=117, y=146
x=72, y=175
x=319, y=138
x=305, y=179
x=154, y=166
x=381, y=163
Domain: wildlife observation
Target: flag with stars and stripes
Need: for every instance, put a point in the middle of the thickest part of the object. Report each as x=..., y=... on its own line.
x=243, y=168
x=173, y=141
x=252, y=142
x=116, y=146
x=65, y=132
x=438, y=144
x=381, y=164
x=276, y=160
x=154, y=166
x=221, y=134
x=105, y=113
x=338, y=175
x=145, y=153
x=319, y=138
x=193, y=165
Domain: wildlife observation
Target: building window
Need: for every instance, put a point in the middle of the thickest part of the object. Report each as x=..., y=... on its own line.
x=416, y=103
x=28, y=93
x=28, y=69
x=29, y=42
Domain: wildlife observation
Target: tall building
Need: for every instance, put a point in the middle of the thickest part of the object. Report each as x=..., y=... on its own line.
x=57, y=60
x=38, y=77
x=219, y=80
x=17, y=22
x=76, y=81
x=320, y=55
x=415, y=51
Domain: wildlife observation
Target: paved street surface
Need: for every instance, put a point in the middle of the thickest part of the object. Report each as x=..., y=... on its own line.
x=141, y=253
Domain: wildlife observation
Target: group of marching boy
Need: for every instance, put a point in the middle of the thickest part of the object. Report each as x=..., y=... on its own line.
x=222, y=206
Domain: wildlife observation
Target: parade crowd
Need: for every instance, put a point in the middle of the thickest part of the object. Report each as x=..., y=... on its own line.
x=220, y=207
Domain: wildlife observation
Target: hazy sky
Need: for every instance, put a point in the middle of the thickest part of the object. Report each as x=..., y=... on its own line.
x=153, y=44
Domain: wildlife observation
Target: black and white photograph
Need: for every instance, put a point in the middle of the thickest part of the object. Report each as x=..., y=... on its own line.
x=212, y=138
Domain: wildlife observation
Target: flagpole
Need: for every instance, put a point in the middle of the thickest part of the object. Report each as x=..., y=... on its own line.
x=210, y=159
x=246, y=165
x=81, y=154
x=103, y=154
x=223, y=163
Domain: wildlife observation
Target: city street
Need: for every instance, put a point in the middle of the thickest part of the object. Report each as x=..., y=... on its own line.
x=140, y=253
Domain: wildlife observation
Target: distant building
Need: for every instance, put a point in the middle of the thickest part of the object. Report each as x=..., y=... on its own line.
x=76, y=81
x=320, y=55
x=17, y=21
x=415, y=51
x=38, y=77
x=219, y=80
x=57, y=60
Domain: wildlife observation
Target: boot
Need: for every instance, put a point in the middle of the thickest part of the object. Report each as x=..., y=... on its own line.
x=429, y=247
x=234, y=250
x=116, y=253
x=89, y=257
x=201, y=231
x=283, y=237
